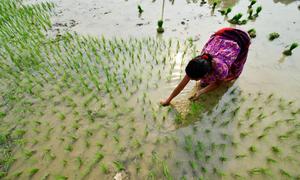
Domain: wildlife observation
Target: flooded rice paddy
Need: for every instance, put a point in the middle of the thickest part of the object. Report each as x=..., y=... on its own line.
x=81, y=82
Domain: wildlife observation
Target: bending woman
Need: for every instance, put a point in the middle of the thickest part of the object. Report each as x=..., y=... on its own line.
x=222, y=59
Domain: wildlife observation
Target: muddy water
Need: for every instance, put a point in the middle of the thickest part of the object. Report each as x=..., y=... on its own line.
x=240, y=125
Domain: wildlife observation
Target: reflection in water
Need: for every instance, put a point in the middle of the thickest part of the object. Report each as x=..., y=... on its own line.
x=286, y=2
x=225, y=3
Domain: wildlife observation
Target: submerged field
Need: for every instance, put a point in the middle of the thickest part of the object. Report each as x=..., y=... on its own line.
x=79, y=106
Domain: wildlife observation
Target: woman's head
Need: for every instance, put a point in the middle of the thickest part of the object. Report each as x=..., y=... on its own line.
x=199, y=67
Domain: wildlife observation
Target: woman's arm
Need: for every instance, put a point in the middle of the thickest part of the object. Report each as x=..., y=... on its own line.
x=176, y=91
x=206, y=89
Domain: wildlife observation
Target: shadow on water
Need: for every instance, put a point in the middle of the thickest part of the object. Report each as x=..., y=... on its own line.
x=188, y=112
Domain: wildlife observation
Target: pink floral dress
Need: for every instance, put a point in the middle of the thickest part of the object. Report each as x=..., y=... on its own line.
x=224, y=53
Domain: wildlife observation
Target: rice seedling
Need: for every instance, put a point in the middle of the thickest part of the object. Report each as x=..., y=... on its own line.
x=244, y=134
x=252, y=33
x=79, y=162
x=98, y=157
x=48, y=154
x=61, y=177
x=166, y=171
x=252, y=3
x=16, y=174
x=252, y=149
x=225, y=12
x=160, y=28
x=286, y=174
x=296, y=148
x=218, y=172
x=288, y=52
x=239, y=156
x=275, y=150
x=69, y=148
x=236, y=19
x=273, y=35
x=138, y=168
x=119, y=165
x=46, y=176
x=223, y=159
x=33, y=171
x=188, y=143
x=261, y=136
x=207, y=131
x=193, y=165
x=270, y=160
x=140, y=9
x=260, y=171
x=215, y=3
x=199, y=151
x=257, y=11
x=65, y=163
x=61, y=116
x=151, y=175
x=104, y=168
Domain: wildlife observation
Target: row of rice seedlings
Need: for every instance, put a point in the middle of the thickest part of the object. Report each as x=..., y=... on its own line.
x=98, y=157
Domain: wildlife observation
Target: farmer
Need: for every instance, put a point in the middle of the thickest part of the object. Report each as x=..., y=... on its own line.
x=222, y=59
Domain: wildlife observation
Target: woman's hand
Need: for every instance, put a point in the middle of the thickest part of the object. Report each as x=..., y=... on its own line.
x=195, y=96
x=164, y=102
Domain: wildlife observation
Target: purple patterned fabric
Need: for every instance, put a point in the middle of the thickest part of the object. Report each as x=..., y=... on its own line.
x=224, y=53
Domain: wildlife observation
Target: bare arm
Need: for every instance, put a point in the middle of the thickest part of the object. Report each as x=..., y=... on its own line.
x=176, y=91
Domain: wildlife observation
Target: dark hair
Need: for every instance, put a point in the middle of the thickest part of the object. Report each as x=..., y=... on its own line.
x=199, y=66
